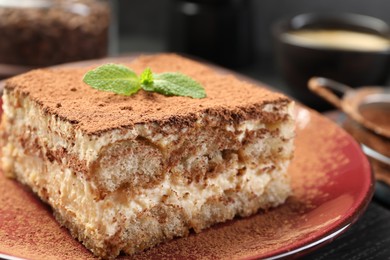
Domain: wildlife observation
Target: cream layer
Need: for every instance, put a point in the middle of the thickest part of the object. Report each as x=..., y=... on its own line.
x=71, y=195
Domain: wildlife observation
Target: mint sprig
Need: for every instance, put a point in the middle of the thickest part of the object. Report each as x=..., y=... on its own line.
x=124, y=81
x=146, y=77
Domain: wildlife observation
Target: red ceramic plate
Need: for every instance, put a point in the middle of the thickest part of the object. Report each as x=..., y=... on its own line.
x=332, y=185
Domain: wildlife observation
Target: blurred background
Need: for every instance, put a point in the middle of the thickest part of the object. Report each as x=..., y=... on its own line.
x=236, y=34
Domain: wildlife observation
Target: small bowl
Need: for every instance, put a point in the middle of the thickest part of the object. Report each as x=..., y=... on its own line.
x=368, y=111
x=298, y=62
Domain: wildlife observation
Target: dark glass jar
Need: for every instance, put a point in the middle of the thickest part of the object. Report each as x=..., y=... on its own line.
x=216, y=30
x=37, y=33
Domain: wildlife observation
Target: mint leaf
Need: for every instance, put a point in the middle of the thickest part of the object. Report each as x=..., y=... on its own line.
x=146, y=77
x=122, y=80
x=114, y=78
x=175, y=84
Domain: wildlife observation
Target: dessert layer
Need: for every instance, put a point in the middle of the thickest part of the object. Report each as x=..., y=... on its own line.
x=62, y=93
x=122, y=221
x=139, y=157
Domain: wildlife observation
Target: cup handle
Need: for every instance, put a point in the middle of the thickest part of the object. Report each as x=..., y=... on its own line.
x=327, y=89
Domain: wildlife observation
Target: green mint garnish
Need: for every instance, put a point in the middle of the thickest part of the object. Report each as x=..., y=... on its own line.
x=115, y=78
x=122, y=80
x=176, y=84
x=146, y=77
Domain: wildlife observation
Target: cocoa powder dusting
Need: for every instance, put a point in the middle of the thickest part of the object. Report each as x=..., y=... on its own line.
x=226, y=96
x=27, y=228
x=377, y=113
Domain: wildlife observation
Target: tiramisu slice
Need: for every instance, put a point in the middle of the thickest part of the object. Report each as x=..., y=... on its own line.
x=124, y=173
